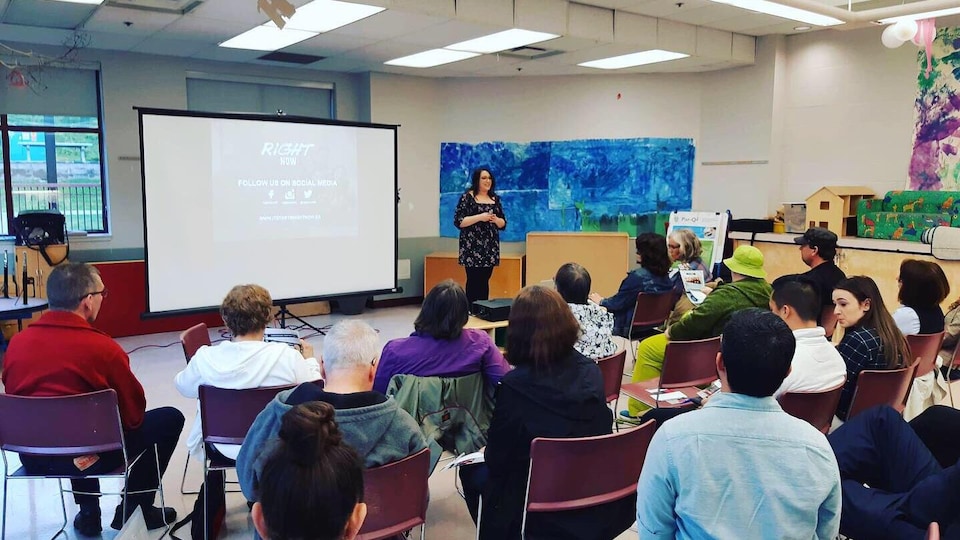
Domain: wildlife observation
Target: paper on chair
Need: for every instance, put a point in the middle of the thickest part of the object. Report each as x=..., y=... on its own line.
x=670, y=396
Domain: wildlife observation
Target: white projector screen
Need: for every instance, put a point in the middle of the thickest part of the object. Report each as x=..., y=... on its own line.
x=306, y=208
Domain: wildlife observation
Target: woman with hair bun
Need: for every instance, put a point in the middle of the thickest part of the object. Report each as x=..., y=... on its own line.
x=312, y=483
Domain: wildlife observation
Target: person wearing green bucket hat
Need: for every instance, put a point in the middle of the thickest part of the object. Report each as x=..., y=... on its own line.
x=748, y=289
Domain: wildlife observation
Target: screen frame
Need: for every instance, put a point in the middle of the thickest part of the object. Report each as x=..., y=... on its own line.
x=281, y=302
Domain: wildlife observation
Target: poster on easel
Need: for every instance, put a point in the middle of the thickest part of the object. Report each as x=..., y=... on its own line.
x=709, y=227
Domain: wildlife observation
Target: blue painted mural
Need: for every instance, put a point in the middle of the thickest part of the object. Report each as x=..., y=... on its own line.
x=626, y=185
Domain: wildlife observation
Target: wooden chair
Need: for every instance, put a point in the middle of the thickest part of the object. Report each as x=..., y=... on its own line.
x=882, y=387
x=396, y=495
x=569, y=474
x=685, y=363
x=225, y=417
x=649, y=312
x=817, y=408
x=191, y=340
x=67, y=426
x=611, y=367
x=924, y=348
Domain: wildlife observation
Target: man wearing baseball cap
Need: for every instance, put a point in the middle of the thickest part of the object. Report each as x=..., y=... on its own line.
x=818, y=247
x=749, y=289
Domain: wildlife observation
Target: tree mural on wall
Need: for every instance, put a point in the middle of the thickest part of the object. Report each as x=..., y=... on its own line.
x=935, y=164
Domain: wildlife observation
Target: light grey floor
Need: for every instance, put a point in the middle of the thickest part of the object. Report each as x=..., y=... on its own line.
x=34, y=508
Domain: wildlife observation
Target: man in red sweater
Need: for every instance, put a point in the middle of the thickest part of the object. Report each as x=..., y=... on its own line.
x=62, y=354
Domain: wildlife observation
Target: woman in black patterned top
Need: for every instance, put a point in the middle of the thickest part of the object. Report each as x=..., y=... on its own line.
x=480, y=218
x=871, y=340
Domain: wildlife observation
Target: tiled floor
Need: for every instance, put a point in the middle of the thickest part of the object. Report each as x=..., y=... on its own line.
x=34, y=509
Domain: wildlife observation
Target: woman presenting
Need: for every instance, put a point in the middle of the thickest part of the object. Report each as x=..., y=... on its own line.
x=480, y=218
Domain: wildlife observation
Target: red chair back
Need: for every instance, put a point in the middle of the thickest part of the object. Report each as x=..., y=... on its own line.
x=828, y=320
x=923, y=350
x=567, y=474
x=193, y=338
x=226, y=415
x=396, y=495
x=817, y=408
x=882, y=387
x=652, y=309
x=74, y=425
x=690, y=363
x=611, y=367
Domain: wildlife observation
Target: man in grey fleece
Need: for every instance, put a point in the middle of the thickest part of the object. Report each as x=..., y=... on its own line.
x=370, y=422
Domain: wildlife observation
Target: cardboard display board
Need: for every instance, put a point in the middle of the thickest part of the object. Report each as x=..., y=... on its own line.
x=710, y=228
x=606, y=255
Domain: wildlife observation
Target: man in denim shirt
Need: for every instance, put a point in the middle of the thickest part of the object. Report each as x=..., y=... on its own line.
x=741, y=467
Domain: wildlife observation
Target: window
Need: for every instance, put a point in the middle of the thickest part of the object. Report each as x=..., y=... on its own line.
x=52, y=143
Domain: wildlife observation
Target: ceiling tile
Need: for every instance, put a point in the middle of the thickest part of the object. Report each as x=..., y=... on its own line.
x=486, y=11
x=389, y=24
x=667, y=8
x=448, y=33
x=214, y=52
x=114, y=19
x=329, y=44
x=47, y=14
x=748, y=19
x=170, y=47
x=33, y=34
x=113, y=41
x=440, y=8
x=244, y=11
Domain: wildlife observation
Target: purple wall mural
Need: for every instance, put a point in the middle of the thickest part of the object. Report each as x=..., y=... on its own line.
x=935, y=164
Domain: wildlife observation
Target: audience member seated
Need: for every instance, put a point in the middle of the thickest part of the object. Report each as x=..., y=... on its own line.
x=440, y=345
x=553, y=392
x=244, y=362
x=62, y=354
x=951, y=329
x=652, y=276
x=816, y=364
x=370, y=421
x=893, y=487
x=923, y=285
x=741, y=467
x=818, y=248
x=748, y=289
x=871, y=339
x=684, y=249
x=312, y=484
x=596, y=323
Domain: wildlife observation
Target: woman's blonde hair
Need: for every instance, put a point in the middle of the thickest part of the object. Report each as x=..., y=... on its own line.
x=690, y=247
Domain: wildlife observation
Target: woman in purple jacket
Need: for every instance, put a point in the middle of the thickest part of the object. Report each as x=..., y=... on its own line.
x=440, y=346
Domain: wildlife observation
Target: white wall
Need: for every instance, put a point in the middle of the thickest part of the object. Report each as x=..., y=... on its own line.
x=520, y=109
x=848, y=112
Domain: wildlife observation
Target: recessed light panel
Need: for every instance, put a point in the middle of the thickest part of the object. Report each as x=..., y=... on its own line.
x=326, y=15
x=267, y=38
x=634, y=59
x=782, y=11
x=501, y=41
x=431, y=58
x=921, y=16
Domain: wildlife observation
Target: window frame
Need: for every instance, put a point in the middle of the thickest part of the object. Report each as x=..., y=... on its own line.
x=6, y=129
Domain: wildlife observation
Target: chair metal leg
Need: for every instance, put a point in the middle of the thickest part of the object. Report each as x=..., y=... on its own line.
x=183, y=481
x=3, y=532
x=950, y=386
x=63, y=510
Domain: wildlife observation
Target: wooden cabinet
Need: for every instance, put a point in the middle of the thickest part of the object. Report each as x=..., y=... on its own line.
x=37, y=269
x=506, y=281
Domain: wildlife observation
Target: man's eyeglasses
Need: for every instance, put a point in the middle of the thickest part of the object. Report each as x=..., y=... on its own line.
x=102, y=293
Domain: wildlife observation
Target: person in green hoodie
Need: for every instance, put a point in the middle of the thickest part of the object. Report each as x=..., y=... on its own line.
x=371, y=422
x=748, y=289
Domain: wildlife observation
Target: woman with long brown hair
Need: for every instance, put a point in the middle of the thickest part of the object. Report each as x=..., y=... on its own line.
x=871, y=339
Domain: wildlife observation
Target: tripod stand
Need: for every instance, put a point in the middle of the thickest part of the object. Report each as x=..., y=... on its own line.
x=284, y=313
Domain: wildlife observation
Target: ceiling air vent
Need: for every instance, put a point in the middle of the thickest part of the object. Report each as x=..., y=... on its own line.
x=530, y=53
x=291, y=58
x=178, y=7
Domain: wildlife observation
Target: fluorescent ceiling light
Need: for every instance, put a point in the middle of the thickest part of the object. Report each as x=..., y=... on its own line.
x=501, y=41
x=82, y=1
x=433, y=57
x=921, y=16
x=634, y=59
x=326, y=15
x=267, y=38
x=785, y=12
